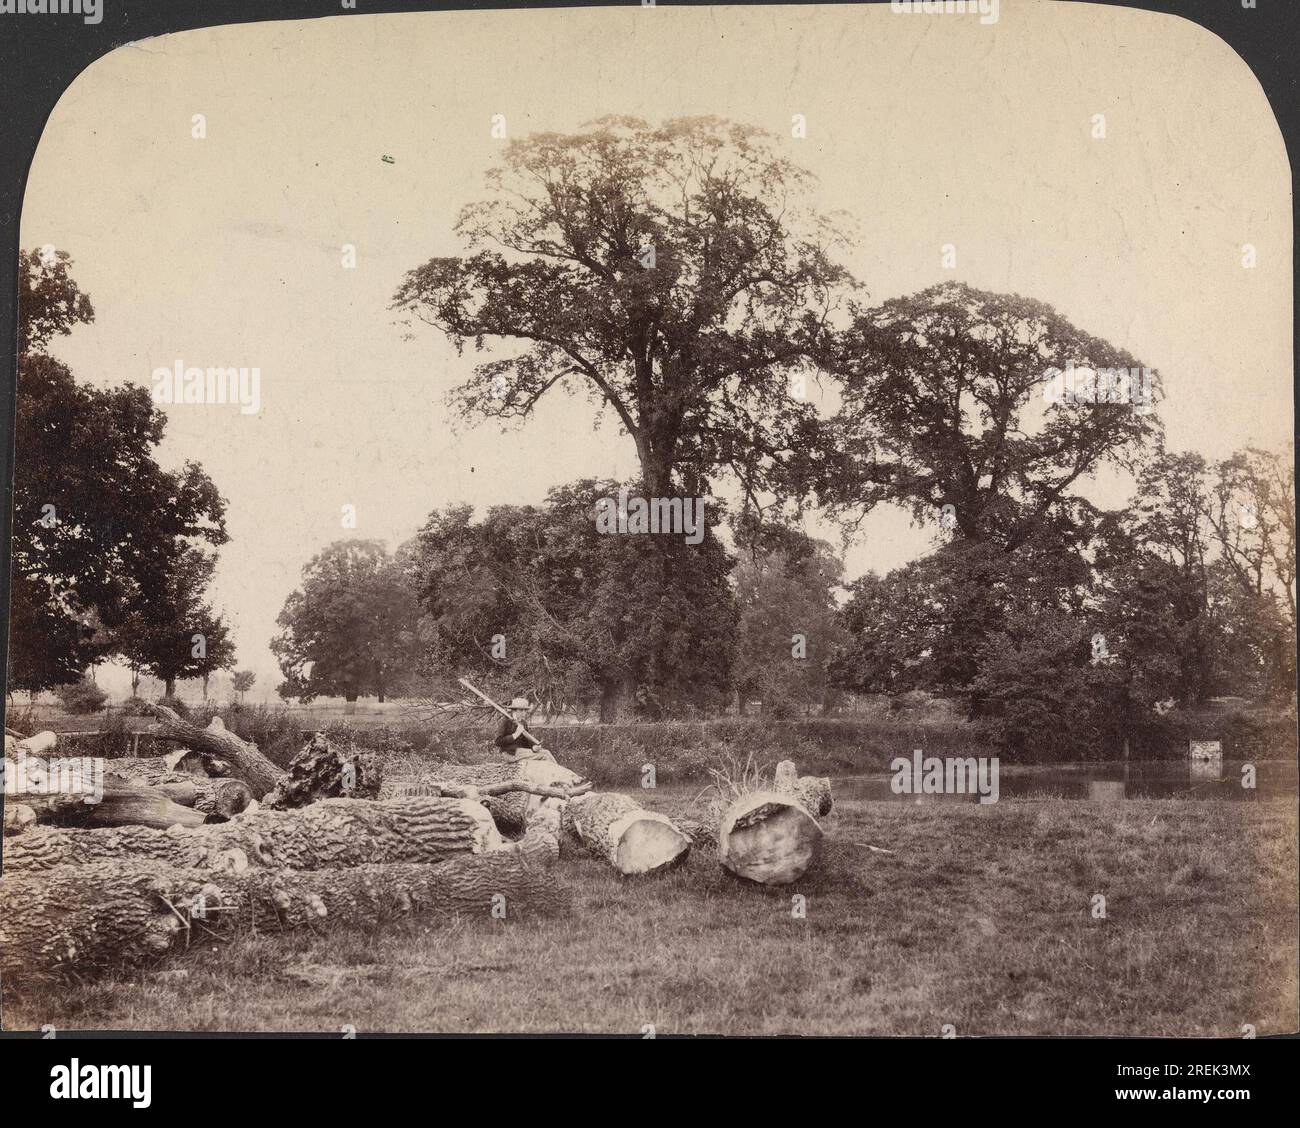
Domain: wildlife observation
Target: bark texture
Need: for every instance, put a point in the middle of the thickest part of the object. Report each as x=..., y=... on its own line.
x=223, y=753
x=79, y=918
x=510, y=810
x=814, y=792
x=616, y=828
x=331, y=834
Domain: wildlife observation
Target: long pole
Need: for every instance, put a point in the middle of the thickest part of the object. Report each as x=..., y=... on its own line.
x=504, y=712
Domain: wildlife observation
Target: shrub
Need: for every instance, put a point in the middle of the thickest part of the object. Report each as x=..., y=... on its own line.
x=82, y=697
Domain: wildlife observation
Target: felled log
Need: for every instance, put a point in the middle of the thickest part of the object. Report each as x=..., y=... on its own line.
x=813, y=792
x=222, y=751
x=218, y=799
x=78, y=918
x=68, y=792
x=122, y=805
x=632, y=839
x=320, y=771
x=511, y=791
x=331, y=834
x=768, y=837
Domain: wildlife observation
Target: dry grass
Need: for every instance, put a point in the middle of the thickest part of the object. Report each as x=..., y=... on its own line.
x=981, y=918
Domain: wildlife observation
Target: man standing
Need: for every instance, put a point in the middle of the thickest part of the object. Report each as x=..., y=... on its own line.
x=513, y=737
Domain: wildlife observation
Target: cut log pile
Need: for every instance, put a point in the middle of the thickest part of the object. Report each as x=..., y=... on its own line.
x=80, y=918
x=511, y=791
x=213, y=839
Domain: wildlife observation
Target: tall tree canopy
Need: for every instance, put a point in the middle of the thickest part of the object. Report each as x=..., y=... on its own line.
x=672, y=270
x=944, y=405
x=99, y=526
x=49, y=301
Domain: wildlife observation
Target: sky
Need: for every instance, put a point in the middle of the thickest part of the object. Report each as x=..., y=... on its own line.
x=924, y=130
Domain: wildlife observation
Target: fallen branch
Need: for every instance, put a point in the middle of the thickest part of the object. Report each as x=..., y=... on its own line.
x=222, y=751
x=873, y=849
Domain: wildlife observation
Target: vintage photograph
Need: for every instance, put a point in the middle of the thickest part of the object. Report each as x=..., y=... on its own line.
x=644, y=520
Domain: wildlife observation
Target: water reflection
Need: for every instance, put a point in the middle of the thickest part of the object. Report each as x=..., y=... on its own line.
x=1106, y=783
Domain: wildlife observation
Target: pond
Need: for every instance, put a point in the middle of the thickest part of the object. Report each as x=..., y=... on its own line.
x=1105, y=783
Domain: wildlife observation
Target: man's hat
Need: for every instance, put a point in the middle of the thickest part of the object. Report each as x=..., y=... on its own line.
x=520, y=703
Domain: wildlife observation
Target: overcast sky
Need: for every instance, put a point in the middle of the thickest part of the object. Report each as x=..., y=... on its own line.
x=926, y=130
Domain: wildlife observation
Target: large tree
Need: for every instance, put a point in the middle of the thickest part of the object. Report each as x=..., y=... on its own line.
x=946, y=411
x=674, y=272
x=944, y=405
x=536, y=598
x=350, y=630
x=98, y=524
x=1189, y=583
x=170, y=631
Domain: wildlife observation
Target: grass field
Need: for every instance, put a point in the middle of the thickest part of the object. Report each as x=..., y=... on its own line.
x=981, y=919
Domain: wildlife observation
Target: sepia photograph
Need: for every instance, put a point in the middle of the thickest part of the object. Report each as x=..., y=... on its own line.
x=653, y=520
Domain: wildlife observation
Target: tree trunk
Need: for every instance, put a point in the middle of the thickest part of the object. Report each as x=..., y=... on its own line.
x=331, y=834
x=632, y=840
x=511, y=811
x=79, y=918
x=768, y=838
x=169, y=687
x=222, y=751
x=121, y=805
x=611, y=701
x=80, y=792
x=218, y=799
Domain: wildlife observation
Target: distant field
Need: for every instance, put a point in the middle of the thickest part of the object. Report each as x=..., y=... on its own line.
x=981, y=920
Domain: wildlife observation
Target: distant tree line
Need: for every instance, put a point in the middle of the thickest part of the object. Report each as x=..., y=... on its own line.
x=678, y=277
